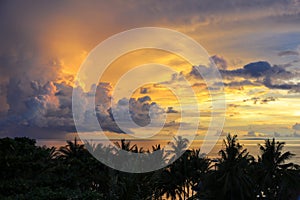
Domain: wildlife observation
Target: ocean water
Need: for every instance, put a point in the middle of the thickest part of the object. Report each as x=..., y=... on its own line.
x=251, y=144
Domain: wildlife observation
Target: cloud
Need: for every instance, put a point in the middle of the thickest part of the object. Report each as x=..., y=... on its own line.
x=107, y=111
x=220, y=62
x=24, y=50
x=255, y=70
x=239, y=84
x=144, y=90
x=42, y=108
x=39, y=108
x=49, y=106
x=250, y=134
x=262, y=73
x=295, y=89
x=259, y=73
x=201, y=71
x=288, y=53
x=40, y=39
x=254, y=134
x=261, y=100
x=16, y=95
x=296, y=127
x=141, y=111
x=279, y=83
x=174, y=125
x=171, y=110
x=3, y=91
x=296, y=134
x=144, y=99
x=276, y=134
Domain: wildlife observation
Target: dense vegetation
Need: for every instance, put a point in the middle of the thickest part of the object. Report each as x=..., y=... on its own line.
x=28, y=171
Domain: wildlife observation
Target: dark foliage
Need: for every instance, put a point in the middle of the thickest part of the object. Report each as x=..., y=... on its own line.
x=28, y=171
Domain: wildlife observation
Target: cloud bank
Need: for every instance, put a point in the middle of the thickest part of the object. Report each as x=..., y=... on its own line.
x=49, y=107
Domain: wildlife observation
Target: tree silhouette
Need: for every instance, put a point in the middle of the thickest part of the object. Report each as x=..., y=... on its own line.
x=71, y=150
x=232, y=179
x=276, y=178
x=28, y=171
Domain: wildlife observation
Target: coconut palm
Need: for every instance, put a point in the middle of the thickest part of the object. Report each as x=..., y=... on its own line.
x=71, y=150
x=200, y=166
x=178, y=147
x=232, y=179
x=277, y=179
x=171, y=183
x=172, y=180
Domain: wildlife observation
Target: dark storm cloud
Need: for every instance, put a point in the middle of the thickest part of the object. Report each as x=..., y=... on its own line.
x=26, y=25
x=213, y=11
x=279, y=78
x=124, y=110
x=140, y=110
x=22, y=50
x=144, y=99
x=37, y=35
x=30, y=30
x=41, y=108
x=255, y=70
x=255, y=74
x=49, y=107
x=262, y=73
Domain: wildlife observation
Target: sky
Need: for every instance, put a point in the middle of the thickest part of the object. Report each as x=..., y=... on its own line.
x=254, y=44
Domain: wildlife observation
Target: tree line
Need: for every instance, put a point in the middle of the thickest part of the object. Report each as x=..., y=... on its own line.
x=28, y=171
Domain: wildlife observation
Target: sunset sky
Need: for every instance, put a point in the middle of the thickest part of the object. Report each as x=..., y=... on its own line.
x=254, y=44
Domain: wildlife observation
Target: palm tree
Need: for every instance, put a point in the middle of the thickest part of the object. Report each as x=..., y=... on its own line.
x=232, y=179
x=170, y=183
x=172, y=179
x=178, y=147
x=74, y=166
x=126, y=145
x=199, y=167
x=276, y=178
x=71, y=150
